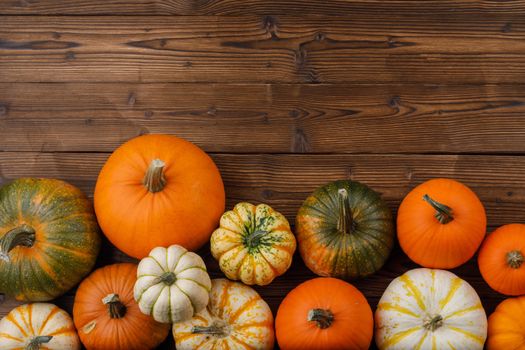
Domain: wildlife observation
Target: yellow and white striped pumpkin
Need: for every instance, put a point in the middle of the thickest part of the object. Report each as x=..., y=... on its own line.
x=253, y=244
x=38, y=326
x=172, y=284
x=427, y=309
x=236, y=318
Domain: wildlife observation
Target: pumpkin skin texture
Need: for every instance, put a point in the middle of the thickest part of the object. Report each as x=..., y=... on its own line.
x=501, y=259
x=108, y=318
x=253, y=244
x=443, y=230
x=506, y=329
x=172, y=284
x=236, y=318
x=38, y=326
x=158, y=190
x=345, y=230
x=324, y=313
x=430, y=309
x=49, y=238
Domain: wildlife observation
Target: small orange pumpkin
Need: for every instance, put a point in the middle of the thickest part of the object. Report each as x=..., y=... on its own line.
x=156, y=191
x=506, y=330
x=501, y=259
x=324, y=313
x=441, y=223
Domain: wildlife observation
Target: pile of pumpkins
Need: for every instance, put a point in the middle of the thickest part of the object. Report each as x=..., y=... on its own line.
x=158, y=198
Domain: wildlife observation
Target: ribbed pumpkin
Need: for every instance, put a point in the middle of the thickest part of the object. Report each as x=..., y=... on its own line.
x=441, y=223
x=344, y=229
x=507, y=325
x=108, y=318
x=38, y=326
x=253, y=244
x=158, y=190
x=501, y=259
x=49, y=238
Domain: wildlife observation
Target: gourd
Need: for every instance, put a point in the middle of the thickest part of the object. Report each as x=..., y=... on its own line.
x=324, y=313
x=501, y=259
x=430, y=309
x=236, y=318
x=38, y=326
x=49, y=238
x=172, y=284
x=108, y=318
x=506, y=329
x=441, y=223
x=158, y=190
x=253, y=244
x=344, y=229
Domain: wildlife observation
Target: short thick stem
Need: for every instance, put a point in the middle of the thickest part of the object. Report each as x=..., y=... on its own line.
x=515, y=259
x=345, y=224
x=322, y=317
x=23, y=235
x=254, y=239
x=443, y=212
x=168, y=278
x=215, y=329
x=35, y=343
x=434, y=323
x=154, y=180
x=115, y=307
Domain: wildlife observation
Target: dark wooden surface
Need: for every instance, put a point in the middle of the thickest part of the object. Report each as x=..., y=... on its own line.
x=285, y=95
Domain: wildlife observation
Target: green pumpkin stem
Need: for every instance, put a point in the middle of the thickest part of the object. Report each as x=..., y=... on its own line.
x=443, y=212
x=115, y=307
x=322, y=317
x=154, y=180
x=346, y=221
x=434, y=323
x=254, y=238
x=515, y=259
x=35, y=343
x=23, y=235
x=168, y=278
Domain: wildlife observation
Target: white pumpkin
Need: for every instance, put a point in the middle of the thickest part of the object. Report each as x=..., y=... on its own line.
x=427, y=309
x=236, y=318
x=172, y=284
x=38, y=326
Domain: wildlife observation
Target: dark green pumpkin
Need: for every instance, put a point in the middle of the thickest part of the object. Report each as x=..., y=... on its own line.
x=49, y=238
x=345, y=230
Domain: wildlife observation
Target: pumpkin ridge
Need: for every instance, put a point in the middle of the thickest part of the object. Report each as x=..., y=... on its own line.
x=224, y=298
x=49, y=317
x=59, y=331
x=30, y=318
x=467, y=334
x=396, y=338
x=398, y=308
x=409, y=284
x=464, y=311
x=240, y=342
x=197, y=283
x=187, y=296
x=9, y=336
x=11, y=319
x=178, y=261
x=365, y=248
x=62, y=248
x=23, y=317
x=245, y=306
x=454, y=286
x=421, y=341
x=43, y=286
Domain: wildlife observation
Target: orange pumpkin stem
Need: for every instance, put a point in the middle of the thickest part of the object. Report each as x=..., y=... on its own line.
x=434, y=323
x=322, y=317
x=154, y=180
x=23, y=235
x=35, y=343
x=346, y=222
x=115, y=307
x=515, y=259
x=443, y=212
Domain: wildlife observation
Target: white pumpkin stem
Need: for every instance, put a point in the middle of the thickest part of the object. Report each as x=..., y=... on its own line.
x=515, y=259
x=23, y=235
x=35, y=343
x=434, y=323
x=322, y=317
x=154, y=180
x=115, y=307
x=346, y=222
x=443, y=212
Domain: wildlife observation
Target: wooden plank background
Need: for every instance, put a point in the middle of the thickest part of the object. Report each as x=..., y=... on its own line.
x=285, y=95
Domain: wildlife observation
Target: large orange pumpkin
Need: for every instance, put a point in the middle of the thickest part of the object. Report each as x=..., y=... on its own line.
x=506, y=326
x=324, y=313
x=441, y=223
x=156, y=191
x=108, y=318
x=501, y=259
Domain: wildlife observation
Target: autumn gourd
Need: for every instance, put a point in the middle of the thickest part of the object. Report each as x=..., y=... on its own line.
x=441, y=223
x=430, y=309
x=324, y=313
x=253, y=244
x=49, y=238
x=38, y=326
x=172, y=284
x=344, y=229
x=501, y=259
x=506, y=325
x=158, y=190
x=108, y=318
x=236, y=318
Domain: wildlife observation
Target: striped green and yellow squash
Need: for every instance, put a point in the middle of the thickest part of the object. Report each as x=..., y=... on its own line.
x=430, y=309
x=345, y=230
x=49, y=238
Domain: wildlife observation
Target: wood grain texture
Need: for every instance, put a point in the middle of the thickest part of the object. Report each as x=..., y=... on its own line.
x=341, y=118
x=357, y=48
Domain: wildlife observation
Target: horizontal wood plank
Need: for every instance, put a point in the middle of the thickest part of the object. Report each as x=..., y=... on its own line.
x=375, y=48
x=343, y=118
